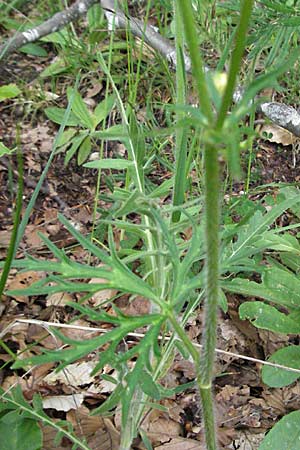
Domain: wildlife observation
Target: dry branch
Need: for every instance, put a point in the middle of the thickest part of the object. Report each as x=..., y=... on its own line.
x=56, y=22
x=279, y=113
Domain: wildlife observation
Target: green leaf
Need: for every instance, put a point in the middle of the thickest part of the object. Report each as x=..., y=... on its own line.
x=277, y=378
x=84, y=150
x=66, y=137
x=61, y=37
x=112, y=401
x=146, y=440
x=103, y=109
x=285, y=435
x=113, y=133
x=283, y=243
x=94, y=16
x=291, y=261
x=57, y=115
x=108, y=163
x=55, y=68
x=9, y=91
x=284, y=283
x=163, y=189
x=148, y=386
x=277, y=286
x=76, y=142
x=80, y=110
x=249, y=234
x=24, y=433
x=269, y=318
x=4, y=150
x=223, y=301
x=291, y=191
x=34, y=49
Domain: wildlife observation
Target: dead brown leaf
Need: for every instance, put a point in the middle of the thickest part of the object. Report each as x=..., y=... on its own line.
x=160, y=428
x=22, y=280
x=274, y=133
x=58, y=299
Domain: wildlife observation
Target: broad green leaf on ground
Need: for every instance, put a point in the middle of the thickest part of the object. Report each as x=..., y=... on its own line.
x=287, y=356
x=4, y=150
x=57, y=115
x=113, y=133
x=283, y=243
x=76, y=142
x=249, y=234
x=9, y=91
x=285, y=435
x=61, y=37
x=34, y=49
x=84, y=151
x=66, y=137
x=278, y=286
x=103, y=109
x=269, y=318
x=19, y=433
x=291, y=261
x=80, y=109
x=109, y=163
x=58, y=66
x=288, y=192
x=285, y=283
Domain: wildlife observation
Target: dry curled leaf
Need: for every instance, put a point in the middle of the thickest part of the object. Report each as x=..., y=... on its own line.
x=274, y=133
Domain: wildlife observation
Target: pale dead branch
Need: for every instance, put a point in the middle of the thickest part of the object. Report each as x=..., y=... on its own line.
x=47, y=326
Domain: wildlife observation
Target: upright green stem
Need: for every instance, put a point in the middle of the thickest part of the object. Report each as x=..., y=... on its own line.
x=181, y=132
x=212, y=212
x=212, y=207
x=19, y=201
x=204, y=367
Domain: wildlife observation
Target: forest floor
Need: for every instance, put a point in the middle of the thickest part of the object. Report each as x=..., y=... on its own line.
x=245, y=407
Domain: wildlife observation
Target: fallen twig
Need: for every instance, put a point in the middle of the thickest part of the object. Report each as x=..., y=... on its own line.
x=47, y=326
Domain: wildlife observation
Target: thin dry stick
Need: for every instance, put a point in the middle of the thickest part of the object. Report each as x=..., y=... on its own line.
x=47, y=326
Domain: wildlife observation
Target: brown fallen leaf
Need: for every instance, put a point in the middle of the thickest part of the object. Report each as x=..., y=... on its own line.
x=58, y=299
x=160, y=428
x=99, y=432
x=22, y=280
x=274, y=133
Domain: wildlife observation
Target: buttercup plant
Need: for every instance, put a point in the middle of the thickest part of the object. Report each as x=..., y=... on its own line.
x=167, y=276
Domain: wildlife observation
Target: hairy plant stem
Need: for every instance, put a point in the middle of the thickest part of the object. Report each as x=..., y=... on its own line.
x=212, y=213
x=204, y=364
